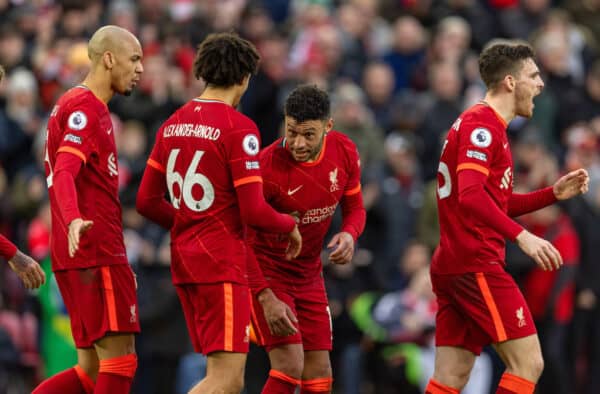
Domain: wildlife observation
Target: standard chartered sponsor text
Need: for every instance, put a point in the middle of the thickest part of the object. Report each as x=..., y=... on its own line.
x=317, y=215
x=192, y=130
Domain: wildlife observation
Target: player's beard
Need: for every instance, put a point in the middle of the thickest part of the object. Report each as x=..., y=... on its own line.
x=314, y=153
x=523, y=102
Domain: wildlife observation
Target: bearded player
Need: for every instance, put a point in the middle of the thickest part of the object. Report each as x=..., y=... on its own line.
x=307, y=173
x=479, y=303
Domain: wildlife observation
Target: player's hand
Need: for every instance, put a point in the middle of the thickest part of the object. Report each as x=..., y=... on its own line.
x=76, y=229
x=295, y=245
x=574, y=183
x=28, y=270
x=278, y=314
x=343, y=248
x=543, y=252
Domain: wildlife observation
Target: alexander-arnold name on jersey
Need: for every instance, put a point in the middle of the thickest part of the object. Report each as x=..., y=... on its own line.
x=192, y=130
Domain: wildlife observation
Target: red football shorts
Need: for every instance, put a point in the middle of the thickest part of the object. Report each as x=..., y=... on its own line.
x=217, y=316
x=476, y=309
x=99, y=300
x=310, y=306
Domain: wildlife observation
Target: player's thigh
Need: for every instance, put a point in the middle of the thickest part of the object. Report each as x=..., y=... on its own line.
x=260, y=327
x=217, y=315
x=314, y=317
x=521, y=354
x=225, y=366
x=316, y=365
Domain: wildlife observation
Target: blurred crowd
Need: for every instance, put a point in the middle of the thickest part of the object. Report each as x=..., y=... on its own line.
x=399, y=72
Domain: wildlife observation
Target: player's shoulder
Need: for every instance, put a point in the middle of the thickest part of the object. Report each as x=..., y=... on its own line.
x=341, y=143
x=276, y=150
x=483, y=115
x=78, y=98
x=239, y=120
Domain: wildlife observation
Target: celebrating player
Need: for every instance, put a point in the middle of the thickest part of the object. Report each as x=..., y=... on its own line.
x=479, y=303
x=306, y=174
x=206, y=157
x=87, y=248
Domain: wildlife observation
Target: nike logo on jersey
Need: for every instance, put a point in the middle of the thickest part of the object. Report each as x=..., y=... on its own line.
x=292, y=191
x=109, y=131
x=505, y=145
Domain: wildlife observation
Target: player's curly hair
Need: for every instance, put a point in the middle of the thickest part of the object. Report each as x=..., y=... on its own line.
x=499, y=60
x=307, y=102
x=225, y=59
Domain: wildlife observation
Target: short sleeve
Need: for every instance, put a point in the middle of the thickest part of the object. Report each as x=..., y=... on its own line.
x=242, y=152
x=477, y=145
x=80, y=125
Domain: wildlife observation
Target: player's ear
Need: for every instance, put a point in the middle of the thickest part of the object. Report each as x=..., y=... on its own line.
x=329, y=125
x=510, y=82
x=109, y=60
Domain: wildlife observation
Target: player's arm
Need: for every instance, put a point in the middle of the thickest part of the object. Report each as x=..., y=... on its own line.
x=475, y=200
x=150, y=201
x=66, y=169
x=353, y=212
x=568, y=186
x=26, y=268
x=255, y=212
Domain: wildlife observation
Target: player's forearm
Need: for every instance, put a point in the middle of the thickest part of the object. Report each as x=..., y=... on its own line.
x=256, y=279
x=7, y=248
x=150, y=200
x=520, y=204
x=354, y=215
x=255, y=211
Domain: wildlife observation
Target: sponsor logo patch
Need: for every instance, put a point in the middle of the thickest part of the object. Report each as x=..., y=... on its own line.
x=73, y=138
x=476, y=155
x=252, y=165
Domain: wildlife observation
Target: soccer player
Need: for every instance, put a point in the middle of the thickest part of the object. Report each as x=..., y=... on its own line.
x=87, y=248
x=26, y=268
x=206, y=157
x=307, y=173
x=479, y=303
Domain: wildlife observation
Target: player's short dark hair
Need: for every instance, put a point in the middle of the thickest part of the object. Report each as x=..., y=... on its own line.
x=499, y=60
x=307, y=102
x=225, y=59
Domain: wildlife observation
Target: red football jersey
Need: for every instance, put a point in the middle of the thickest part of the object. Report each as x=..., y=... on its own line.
x=206, y=149
x=80, y=124
x=477, y=141
x=309, y=191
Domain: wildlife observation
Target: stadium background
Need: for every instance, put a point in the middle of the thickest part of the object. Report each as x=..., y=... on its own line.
x=399, y=72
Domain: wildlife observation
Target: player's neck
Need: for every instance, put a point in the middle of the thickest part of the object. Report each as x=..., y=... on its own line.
x=99, y=85
x=229, y=96
x=503, y=105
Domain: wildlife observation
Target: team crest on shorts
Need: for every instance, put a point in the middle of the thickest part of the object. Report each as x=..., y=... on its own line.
x=521, y=317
